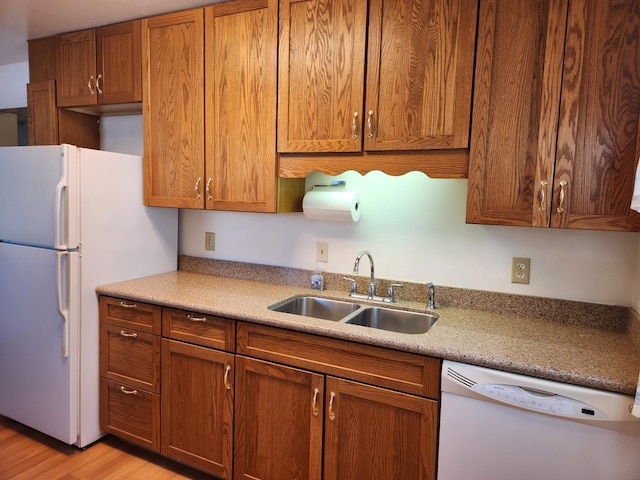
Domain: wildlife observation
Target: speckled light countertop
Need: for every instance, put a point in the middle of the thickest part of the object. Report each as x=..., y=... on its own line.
x=586, y=352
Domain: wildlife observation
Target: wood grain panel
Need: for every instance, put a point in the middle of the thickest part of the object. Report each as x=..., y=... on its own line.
x=402, y=371
x=119, y=61
x=597, y=137
x=76, y=67
x=241, y=52
x=139, y=316
x=321, y=75
x=197, y=408
x=200, y=329
x=42, y=113
x=420, y=74
x=173, y=109
x=277, y=435
x=378, y=434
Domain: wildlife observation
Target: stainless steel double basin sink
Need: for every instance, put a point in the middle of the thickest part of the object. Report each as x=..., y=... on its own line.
x=384, y=318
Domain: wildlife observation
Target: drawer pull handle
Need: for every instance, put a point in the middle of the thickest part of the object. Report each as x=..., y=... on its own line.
x=315, y=402
x=197, y=319
x=563, y=184
x=354, y=126
x=89, y=85
x=332, y=415
x=208, y=189
x=543, y=196
x=128, y=305
x=227, y=370
x=370, y=123
x=128, y=335
x=128, y=392
x=197, y=188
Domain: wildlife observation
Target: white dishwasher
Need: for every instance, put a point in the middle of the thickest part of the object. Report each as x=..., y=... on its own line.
x=501, y=426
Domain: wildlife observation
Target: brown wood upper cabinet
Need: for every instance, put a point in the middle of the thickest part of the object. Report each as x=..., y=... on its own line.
x=418, y=81
x=100, y=66
x=556, y=107
x=229, y=163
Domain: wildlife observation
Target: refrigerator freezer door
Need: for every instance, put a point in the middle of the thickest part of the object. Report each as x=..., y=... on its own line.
x=38, y=368
x=38, y=194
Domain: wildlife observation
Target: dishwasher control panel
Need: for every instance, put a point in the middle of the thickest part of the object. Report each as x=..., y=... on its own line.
x=539, y=400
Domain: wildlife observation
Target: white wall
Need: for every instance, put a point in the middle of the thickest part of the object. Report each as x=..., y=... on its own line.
x=414, y=227
x=13, y=85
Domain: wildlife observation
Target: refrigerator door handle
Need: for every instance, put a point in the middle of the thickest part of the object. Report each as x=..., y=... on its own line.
x=62, y=307
x=60, y=207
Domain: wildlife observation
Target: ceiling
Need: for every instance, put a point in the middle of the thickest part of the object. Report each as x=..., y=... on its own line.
x=25, y=19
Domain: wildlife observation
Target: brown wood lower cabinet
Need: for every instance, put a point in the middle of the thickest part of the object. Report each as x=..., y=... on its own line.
x=284, y=413
x=197, y=406
x=253, y=402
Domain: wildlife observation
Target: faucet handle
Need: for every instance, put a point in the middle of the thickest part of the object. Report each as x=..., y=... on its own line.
x=352, y=289
x=431, y=296
x=391, y=291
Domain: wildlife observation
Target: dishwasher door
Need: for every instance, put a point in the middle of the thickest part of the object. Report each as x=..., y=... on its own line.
x=501, y=426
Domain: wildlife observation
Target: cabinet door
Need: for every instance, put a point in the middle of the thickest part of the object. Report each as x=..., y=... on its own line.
x=278, y=430
x=77, y=69
x=241, y=55
x=197, y=406
x=42, y=113
x=173, y=109
x=119, y=67
x=419, y=74
x=321, y=75
x=516, y=109
x=599, y=111
x=378, y=434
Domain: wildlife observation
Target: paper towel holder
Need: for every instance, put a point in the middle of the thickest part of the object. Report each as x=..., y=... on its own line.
x=334, y=183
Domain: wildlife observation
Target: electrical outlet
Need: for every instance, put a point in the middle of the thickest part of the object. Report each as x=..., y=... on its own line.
x=210, y=241
x=520, y=270
x=322, y=252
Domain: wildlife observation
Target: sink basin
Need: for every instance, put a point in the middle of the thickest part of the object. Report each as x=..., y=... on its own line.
x=317, y=307
x=400, y=321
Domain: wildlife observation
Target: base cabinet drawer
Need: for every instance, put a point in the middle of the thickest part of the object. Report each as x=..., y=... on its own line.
x=130, y=413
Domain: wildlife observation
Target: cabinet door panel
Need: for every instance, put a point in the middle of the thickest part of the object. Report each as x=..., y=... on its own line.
x=43, y=121
x=197, y=406
x=278, y=436
x=597, y=137
x=321, y=75
x=378, y=434
x=241, y=54
x=515, y=112
x=76, y=68
x=173, y=108
x=119, y=62
x=419, y=74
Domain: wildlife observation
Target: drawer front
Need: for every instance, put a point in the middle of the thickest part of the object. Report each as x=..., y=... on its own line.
x=133, y=414
x=402, y=371
x=130, y=357
x=199, y=329
x=129, y=314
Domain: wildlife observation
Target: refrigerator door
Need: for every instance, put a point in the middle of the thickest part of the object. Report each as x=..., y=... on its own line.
x=38, y=364
x=38, y=194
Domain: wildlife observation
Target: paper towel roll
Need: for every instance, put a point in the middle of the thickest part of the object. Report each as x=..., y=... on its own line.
x=339, y=206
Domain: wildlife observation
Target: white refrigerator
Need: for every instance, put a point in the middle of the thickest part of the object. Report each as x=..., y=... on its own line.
x=70, y=219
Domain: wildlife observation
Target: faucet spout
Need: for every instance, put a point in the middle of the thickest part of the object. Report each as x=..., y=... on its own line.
x=371, y=290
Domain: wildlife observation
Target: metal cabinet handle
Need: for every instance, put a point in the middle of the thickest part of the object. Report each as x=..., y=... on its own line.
x=543, y=196
x=128, y=335
x=370, y=123
x=128, y=392
x=354, y=126
x=128, y=305
x=197, y=319
x=560, y=208
x=314, y=405
x=89, y=85
x=332, y=416
x=98, y=84
x=208, y=188
x=227, y=370
x=197, y=188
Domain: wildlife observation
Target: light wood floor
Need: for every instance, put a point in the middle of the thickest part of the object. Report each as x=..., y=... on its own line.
x=29, y=455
